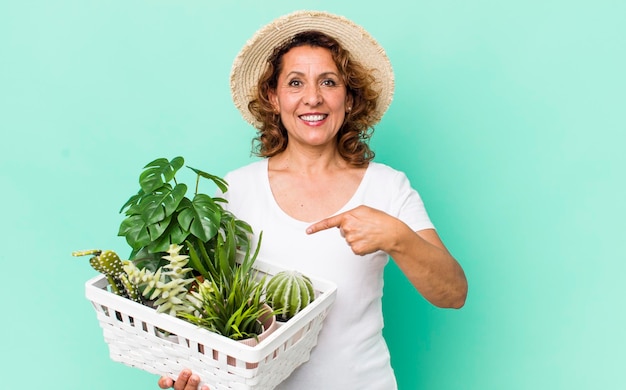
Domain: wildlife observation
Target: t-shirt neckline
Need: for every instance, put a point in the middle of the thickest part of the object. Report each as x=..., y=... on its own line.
x=347, y=206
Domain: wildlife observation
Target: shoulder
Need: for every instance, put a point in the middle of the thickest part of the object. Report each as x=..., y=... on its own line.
x=389, y=181
x=382, y=169
x=247, y=174
x=404, y=202
x=383, y=173
x=253, y=168
x=241, y=179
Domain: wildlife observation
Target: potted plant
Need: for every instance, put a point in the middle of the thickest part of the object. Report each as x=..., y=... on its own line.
x=232, y=302
x=184, y=257
x=161, y=214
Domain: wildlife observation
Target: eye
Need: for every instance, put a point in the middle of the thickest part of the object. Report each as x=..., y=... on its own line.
x=329, y=83
x=294, y=83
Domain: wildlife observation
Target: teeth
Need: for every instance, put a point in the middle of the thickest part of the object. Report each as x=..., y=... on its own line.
x=312, y=118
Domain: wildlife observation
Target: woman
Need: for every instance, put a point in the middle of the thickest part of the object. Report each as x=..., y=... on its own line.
x=325, y=208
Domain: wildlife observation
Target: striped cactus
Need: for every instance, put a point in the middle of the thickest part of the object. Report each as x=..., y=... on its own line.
x=288, y=292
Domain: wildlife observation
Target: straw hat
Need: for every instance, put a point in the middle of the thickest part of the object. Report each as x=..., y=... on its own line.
x=251, y=61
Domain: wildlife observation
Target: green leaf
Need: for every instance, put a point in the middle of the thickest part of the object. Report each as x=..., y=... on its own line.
x=195, y=261
x=135, y=230
x=248, y=261
x=173, y=234
x=199, y=259
x=151, y=261
x=159, y=172
x=220, y=257
x=243, y=228
x=161, y=203
x=201, y=216
x=132, y=202
x=158, y=228
x=208, y=261
x=226, y=250
x=219, y=182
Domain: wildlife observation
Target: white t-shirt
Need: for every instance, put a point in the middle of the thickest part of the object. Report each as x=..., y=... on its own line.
x=351, y=352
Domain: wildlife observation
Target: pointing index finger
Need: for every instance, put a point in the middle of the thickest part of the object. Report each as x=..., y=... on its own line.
x=324, y=224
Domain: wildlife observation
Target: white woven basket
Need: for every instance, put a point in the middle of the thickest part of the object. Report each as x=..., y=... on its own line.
x=135, y=338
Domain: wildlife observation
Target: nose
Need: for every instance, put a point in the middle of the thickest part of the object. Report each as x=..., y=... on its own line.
x=312, y=95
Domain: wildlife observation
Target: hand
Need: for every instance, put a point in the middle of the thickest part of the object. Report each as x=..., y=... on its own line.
x=421, y=256
x=185, y=381
x=365, y=229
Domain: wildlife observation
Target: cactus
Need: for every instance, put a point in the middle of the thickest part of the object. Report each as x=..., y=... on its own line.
x=109, y=264
x=168, y=286
x=288, y=292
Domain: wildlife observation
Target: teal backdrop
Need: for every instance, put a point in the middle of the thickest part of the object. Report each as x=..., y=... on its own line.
x=509, y=118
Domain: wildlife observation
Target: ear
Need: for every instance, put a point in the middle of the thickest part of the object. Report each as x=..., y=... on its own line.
x=273, y=98
x=349, y=102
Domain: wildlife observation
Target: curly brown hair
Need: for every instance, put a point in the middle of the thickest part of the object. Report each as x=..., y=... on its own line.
x=353, y=136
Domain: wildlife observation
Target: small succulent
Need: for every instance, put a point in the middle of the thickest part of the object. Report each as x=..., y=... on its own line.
x=109, y=264
x=167, y=289
x=288, y=292
x=169, y=286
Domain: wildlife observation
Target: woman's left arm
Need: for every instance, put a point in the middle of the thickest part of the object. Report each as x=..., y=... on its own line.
x=421, y=255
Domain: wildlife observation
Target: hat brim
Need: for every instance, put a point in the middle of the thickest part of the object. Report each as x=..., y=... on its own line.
x=251, y=61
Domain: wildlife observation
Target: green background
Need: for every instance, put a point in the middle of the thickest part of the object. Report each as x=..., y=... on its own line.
x=509, y=118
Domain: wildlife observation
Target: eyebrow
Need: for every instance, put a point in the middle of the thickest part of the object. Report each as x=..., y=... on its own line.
x=322, y=75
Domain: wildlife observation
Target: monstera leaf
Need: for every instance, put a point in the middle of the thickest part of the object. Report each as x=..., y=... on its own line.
x=221, y=183
x=135, y=230
x=201, y=216
x=132, y=204
x=173, y=234
x=159, y=172
x=161, y=213
x=161, y=203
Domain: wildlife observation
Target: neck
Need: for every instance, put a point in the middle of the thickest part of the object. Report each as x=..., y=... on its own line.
x=309, y=162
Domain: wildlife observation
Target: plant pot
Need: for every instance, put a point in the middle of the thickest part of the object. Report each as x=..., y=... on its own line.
x=269, y=325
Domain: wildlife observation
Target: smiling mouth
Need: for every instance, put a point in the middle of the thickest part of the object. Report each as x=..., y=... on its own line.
x=313, y=117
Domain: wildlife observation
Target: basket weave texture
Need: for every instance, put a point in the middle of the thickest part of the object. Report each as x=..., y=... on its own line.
x=161, y=344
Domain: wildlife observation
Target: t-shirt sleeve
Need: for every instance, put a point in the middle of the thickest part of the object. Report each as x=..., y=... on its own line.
x=411, y=208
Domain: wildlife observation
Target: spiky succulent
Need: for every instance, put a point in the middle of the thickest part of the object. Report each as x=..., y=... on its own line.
x=168, y=287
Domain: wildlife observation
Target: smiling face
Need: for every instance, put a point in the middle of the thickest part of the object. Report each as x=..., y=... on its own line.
x=310, y=96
